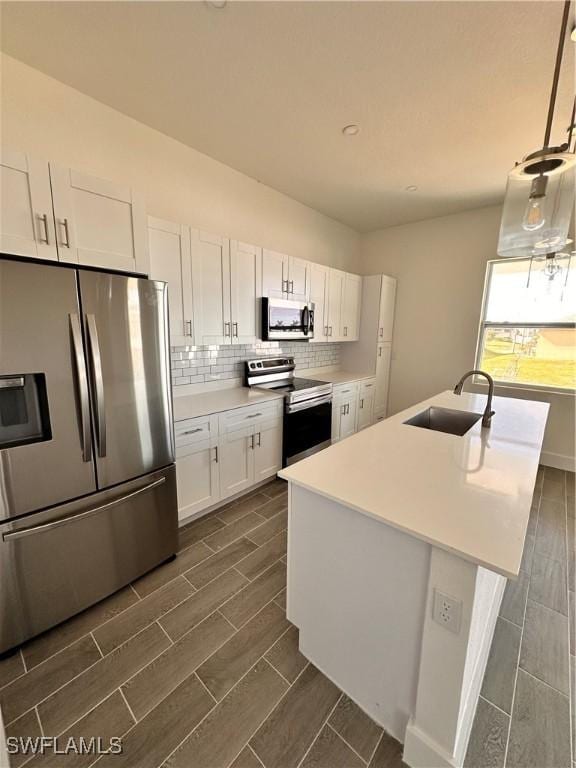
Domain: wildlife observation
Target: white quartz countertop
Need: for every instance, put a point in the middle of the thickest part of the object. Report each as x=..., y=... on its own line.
x=204, y=403
x=470, y=495
x=339, y=377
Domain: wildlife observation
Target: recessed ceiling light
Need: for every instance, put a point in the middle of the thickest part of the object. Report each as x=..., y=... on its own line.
x=351, y=130
x=411, y=188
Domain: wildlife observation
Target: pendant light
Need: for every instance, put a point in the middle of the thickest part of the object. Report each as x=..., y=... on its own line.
x=539, y=200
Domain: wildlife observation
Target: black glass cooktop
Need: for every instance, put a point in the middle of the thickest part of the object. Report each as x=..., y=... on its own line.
x=294, y=385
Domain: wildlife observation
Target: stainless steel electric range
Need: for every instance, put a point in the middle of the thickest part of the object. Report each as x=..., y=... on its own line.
x=307, y=406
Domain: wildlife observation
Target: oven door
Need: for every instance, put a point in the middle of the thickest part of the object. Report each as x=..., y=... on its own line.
x=307, y=429
x=283, y=319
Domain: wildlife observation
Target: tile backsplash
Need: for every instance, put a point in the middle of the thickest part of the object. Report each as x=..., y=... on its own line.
x=198, y=365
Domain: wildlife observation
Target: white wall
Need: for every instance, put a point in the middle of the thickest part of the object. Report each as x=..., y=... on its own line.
x=440, y=265
x=46, y=117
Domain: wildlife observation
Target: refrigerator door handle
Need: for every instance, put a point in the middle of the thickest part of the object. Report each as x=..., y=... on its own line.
x=11, y=535
x=96, y=364
x=82, y=387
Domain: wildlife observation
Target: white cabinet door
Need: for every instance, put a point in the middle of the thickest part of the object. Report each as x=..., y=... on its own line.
x=337, y=412
x=382, y=380
x=98, y=223
x=348, y=418
x=245, y=277
x=26, y=217
x=236, y=461
x=387, y=303
x=169, y=248
x=365, y=408
x=211, y=288
x=197, y=478
x=335, y=300
x=351, y=307
x=268, y=450
x=319, y=276
x=298, y=279
x=274, y=274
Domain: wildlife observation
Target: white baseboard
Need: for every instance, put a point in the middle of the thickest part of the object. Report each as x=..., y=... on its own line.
x=558, y=461
x=422, y=752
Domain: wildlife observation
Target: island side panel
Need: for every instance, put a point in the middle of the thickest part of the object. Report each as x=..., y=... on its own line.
x=452, y=664
x=357, y=591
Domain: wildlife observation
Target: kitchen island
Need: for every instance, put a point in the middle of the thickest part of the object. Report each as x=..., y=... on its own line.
x=400, y=542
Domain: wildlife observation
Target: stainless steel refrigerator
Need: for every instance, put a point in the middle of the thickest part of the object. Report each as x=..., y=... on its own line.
x=87, y=477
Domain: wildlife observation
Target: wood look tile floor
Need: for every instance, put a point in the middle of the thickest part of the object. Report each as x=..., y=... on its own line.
x=196, y=666
x=526, y=715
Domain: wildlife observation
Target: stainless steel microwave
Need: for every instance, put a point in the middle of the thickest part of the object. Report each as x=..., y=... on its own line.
x=284, y=319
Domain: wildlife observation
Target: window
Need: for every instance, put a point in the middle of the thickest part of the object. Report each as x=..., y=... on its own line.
x=528, y=326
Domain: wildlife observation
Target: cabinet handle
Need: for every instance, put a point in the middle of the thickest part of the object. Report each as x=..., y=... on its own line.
x=253, y=415
x=291, y=286
x=330, y=334
x=66, y=243
x=192, y=431
x=285, y=290
x=188, y=328
x=43, y=218
x=259, y=439
x=380, y=332
x=345, y=330
x=227, y=330
x=379, y=351
x=235, y=326
x=252, y=442
x=361, y=402
x=325, y=330
x=216, y=454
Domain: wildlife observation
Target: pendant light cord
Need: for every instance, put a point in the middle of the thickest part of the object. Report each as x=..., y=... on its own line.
x=556, y=78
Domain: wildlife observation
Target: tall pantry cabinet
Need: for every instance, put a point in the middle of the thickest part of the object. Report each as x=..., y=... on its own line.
x=373, y=350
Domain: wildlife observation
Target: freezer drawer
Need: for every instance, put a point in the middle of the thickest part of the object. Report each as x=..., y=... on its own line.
x=55, y=563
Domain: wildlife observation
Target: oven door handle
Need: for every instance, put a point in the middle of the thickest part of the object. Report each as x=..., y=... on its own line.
x=304, y=405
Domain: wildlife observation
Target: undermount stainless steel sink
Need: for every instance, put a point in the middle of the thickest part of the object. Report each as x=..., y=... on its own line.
x=445, y=420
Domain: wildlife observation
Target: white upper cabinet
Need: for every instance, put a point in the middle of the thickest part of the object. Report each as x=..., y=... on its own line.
x=386, y=314
x=26, y=218
x=98, y=223
x=169, y=249
x=211, y=288
x=335, y=303
x=274, y=274
x=351, y=307
x=285, y=277
x=245, y=279
x=319, y=276
x=298, y=279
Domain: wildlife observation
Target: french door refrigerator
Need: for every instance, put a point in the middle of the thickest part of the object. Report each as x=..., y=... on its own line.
x=87, y=478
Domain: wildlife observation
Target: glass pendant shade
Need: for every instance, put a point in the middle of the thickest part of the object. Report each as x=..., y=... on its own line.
x=538, y=206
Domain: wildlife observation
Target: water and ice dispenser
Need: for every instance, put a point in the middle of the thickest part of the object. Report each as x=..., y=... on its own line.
x=24, y=416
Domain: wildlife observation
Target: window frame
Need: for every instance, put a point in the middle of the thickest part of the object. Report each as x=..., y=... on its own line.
x=486, y=324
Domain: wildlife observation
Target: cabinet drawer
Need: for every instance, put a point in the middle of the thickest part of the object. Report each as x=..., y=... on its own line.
x=366, y=387
x=240, y=418
x=190, y=431
x=346, y=390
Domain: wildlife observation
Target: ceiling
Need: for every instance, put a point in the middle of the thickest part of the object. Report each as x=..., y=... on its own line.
x=447, y=94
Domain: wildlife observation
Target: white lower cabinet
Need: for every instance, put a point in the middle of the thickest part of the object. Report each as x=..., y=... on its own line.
x=221, y=455
x=198, y=478
x=344, y=409
x=366, y=404
x=236, y=461
x=383, y=355
x=268, y=449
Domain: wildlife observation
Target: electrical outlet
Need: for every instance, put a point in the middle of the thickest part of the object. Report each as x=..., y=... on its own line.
x=447, y=611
